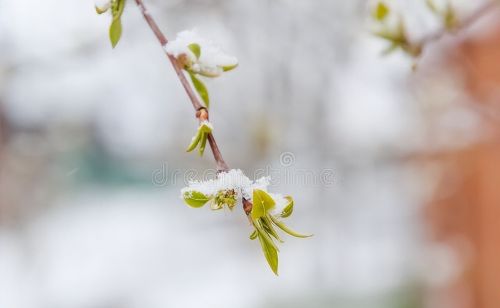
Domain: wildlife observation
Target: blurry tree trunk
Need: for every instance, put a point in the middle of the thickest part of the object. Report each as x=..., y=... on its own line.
x=465, y=213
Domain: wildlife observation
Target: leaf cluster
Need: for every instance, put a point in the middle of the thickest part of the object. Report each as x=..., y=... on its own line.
x=223, y=198
x=200, y=139
x=264, y=222
x=394, y=33
x=115, y=29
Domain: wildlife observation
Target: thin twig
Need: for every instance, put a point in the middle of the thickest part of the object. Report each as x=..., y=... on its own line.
x=201, y=112
x=198, y=107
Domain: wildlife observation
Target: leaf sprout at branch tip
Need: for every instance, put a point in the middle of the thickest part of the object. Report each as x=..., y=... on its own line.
x=201, y=137
x=116, y=7
x=200, y=56
x=395, y=32
x=266, y=214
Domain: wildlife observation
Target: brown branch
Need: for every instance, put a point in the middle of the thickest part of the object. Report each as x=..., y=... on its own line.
x=201, y=112
x=467, y=22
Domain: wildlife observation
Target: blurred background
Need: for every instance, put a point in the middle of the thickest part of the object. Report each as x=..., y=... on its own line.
x=396, y=172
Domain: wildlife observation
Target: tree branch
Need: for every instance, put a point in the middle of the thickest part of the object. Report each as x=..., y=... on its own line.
x=201, y=112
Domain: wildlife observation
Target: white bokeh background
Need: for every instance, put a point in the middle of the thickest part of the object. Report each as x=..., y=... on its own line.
x=82, y=224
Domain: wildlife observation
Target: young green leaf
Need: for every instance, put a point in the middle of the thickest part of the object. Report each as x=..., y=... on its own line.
x=228, y=68
x=203, y=143
x=196, y=49
x=264, y=234
x=381, y=11
x=268, y=227
x=262, y=203
x=195, y=199
x=117, y=7
x=288, y=210
x=194, y=142
x=283, y=227
x=201, y=89
x=254, y=234
x=226, y=197
x=391, y=48
x=270, y=253
x=115, y=31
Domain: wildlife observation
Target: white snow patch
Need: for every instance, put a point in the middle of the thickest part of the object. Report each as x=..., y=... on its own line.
x=234, y=179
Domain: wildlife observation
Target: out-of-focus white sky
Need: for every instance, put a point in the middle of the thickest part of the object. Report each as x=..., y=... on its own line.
x=311, y=81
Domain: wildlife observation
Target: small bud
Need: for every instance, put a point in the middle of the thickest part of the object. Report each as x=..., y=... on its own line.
x=381, y=11
x=205, y=58
x=288, y=210
x=200, y=88
x=202, y=115
x=102, y=6
x=450, y=18
x=225, y=198
x=194, y=141
x=228, y=68
x=201, y=136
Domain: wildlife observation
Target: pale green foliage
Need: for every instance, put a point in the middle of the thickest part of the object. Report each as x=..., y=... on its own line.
x=225, y=198
x=450, y=19
x=261, y=216
x=395, y=34
x=201, y=89
x=196, y=199
x=253, y=235
x=115, y=29
x=200, y=138
x=189, y=66
x=447, y=14
x=283, y=227
x=228, y=68
x=381, y=11
x=264, y=221
x=270, y=251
